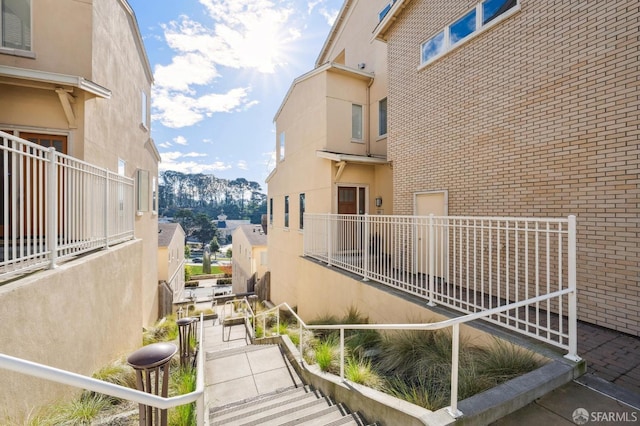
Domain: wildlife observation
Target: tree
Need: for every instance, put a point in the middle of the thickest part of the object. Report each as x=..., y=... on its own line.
x=204, y=230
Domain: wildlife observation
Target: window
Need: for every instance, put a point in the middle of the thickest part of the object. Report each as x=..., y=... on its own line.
x=356, y=122
x=382, y=117
x=475, y=20
x=121, y=166
x=15, y=24
x=302, y=207
x=143, y=190
x=154, y=195
x=281, y=147
x=271, y=211
x=144, y=116
x=286, y=211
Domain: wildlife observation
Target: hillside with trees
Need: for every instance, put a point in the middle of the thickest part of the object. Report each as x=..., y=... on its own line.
x=211, y=196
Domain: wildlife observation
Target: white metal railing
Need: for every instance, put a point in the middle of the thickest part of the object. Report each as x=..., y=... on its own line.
x=454, y=323
x=54, y=206
x=83, y=382
x=471, y=264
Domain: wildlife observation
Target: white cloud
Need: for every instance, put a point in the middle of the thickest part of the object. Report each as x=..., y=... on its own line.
x=165, y=145
x=182, y=163
x=329, y=14
x=242, y=165
x=180, y=140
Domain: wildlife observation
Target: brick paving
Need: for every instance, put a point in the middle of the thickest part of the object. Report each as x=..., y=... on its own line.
x=611, y=355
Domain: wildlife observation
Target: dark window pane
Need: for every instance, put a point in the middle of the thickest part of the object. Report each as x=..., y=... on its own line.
x=491, y=9
x=463, y=27
x=382, y=117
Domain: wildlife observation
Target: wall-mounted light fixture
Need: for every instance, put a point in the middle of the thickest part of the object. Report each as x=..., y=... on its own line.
x=378, y=201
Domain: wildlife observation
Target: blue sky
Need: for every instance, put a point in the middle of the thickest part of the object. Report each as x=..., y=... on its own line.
x=221, y=70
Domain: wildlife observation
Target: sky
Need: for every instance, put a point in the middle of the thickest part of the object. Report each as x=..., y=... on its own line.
x=221, y=70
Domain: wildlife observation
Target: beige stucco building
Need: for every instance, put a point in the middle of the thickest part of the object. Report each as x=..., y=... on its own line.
x=331, y=143
x=249, y=250
x=495, y=108
x=75, y=76
x=171, y=243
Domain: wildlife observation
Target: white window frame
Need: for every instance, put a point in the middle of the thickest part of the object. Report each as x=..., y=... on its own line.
x=386, y=115
x=144, y=110
x=281, y=146
x=13, y=50
x=143, y=190
x=448, y=46
x=357, y=135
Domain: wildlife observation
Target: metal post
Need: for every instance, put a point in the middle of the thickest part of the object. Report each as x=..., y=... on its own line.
x=329, y=240
x=431, y=267
x=366, y=248
x=185, y=335
x=342, y=353
x=572, y=354
x=455, y=349
x=106, y=209
x=148, y=362
x=52, y=208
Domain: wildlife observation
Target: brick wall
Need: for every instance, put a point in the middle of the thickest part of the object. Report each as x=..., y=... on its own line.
x=537, y=116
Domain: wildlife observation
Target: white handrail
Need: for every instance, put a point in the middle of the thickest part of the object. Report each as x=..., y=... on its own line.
x=452, y=322
x=84, y=382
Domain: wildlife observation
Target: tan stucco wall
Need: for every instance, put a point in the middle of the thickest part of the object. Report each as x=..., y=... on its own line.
x=246, y=261
x=78, y=317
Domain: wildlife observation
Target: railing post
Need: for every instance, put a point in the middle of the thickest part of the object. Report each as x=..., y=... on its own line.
x=329, y=240
x=455, y=350
x=366, y=248
x=342, y=353
x=106, y=209
x=572, y=353
x=431, y=267
x=52, y=208
x=301, y=346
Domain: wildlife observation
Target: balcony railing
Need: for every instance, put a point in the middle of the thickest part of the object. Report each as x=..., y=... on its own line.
x=470, y=264
x=54, y=206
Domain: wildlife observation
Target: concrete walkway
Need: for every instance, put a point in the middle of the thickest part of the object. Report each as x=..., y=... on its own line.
x=609, y=394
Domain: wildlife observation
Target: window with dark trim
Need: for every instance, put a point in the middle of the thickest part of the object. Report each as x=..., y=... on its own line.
x=382, y=117
x=271, y=211
x=302, y=208
x=286, y=211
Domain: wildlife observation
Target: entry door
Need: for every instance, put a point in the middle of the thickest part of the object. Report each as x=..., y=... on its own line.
x=351, y=201
x=428, y=203
x=30, y=194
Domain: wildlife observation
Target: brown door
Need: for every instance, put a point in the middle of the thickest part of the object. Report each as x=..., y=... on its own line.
x=351, y=202
x=31, y=195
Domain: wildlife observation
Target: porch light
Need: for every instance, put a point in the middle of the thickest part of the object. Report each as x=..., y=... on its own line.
x=378, y=201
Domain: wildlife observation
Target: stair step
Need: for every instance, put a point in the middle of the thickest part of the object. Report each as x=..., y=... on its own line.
x=295, y=414
x=259, y=401
x=240, y=350
x=265, y=410
x=326, y=416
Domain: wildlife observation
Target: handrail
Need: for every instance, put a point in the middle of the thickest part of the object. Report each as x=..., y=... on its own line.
x=451, y=322
x=84, y=382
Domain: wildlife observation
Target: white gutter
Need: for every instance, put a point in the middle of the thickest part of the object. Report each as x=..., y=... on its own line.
x=351, y=158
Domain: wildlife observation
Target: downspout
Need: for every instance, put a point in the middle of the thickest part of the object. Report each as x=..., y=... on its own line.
x=367, y=143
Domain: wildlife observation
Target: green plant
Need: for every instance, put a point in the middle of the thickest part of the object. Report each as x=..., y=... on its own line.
x=164, y=330
x=80, y=411
x=117, y=372
x=326, y=354
x=502, y=361
x=420, y=392
x=360, y=371
x=183, y=381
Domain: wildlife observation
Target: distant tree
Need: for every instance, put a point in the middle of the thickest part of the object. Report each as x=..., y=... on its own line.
x=215, y=246
x=204, y=230
x=187, y=251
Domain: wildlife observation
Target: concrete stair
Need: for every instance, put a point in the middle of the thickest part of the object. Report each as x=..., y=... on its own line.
x=292, y=406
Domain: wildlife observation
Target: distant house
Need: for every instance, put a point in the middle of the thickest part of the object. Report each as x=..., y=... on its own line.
x=171, y=241
x=249, y=257
x=78, y=219
x=227, y=226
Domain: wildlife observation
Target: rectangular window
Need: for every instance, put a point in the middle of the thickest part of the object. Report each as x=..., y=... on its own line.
x=491, y=9
x=382, y=117
x=462, y=27
x=143, y=190
x=281, y=147
x=481, y=16
x=154, y=195
x=356, y=122
x=121, y=167
x=15, y=24
x=302, y=207
x=271, y=211
x=286, y=211
x=144, y=116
